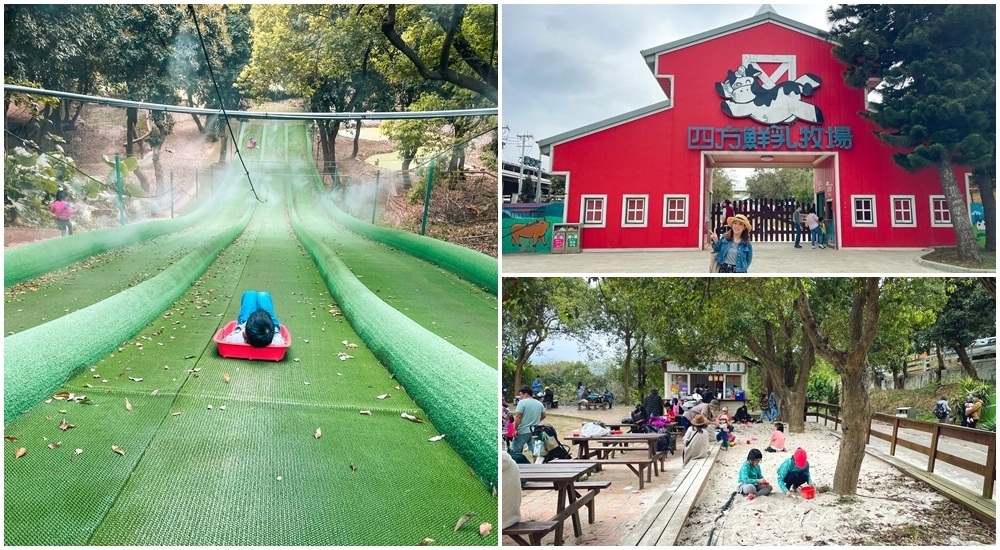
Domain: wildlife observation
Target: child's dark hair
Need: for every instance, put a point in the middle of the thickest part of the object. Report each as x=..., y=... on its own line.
x=61, y=195
x=779, y=426
x=754, y=454
x=259, y=329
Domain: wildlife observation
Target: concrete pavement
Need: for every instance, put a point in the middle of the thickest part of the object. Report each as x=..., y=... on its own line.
x=769, y=259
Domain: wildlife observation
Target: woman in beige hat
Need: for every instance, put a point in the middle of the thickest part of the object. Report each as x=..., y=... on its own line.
x=733, y=251
x=695, y=440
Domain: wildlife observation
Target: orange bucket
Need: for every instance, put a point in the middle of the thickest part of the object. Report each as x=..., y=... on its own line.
x=808, y=492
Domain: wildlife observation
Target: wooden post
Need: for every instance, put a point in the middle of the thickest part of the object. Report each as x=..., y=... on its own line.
x=935, y=435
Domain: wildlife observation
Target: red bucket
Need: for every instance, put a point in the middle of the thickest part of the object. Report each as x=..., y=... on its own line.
x=808, y=492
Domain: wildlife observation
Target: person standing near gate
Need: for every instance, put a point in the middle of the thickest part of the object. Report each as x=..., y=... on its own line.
x=727, y=212
x=812, y=220
x=797, y=224
x=734, y=251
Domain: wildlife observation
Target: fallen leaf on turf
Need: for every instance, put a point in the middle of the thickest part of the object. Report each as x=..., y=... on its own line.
x=222, y=407
x=437, y=438
x=65, y=425
x=55, y=444
x=344, y=357
x=411, y=418
x=10, y=438
x=485, y=528
x=61, y=395
x=118, y=450
x=78, y=452
x=318, y=434
x=383, y=396
x=367, y=413
x=20, y=452
x=225, y=377
x=296, y=359
x=463, y=519
x=154, y=392
x=135, y=379
x=178, y=413
x=353, y=467
x=128, y=405
x=426, y=541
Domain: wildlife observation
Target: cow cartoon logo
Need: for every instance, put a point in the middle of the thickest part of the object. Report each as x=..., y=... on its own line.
x=782, y=102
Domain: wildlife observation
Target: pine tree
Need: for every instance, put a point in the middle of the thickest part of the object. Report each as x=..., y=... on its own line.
x=936, y=63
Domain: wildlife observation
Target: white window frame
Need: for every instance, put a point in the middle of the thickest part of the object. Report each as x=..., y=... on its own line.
x=583, y=210
x=934, y=222
x=854, y=211
x=912, y=210
x=625, y=210
x=684, y=211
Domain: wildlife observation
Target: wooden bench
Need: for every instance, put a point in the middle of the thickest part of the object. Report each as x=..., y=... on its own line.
x=535, y=530
x=661, y=524
x=594, y=486
x=591, y=405
x=637, y=465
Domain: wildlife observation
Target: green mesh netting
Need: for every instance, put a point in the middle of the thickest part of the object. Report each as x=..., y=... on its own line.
x=457, y=390
x=38, y=360
x=31, y=260
x=464, y=262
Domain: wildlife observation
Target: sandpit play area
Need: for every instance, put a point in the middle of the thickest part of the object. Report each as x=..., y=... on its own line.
x=124, y=425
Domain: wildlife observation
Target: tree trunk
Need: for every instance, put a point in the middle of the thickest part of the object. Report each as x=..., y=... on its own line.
x=143, y=180
x=964, y=238
x=987, y=190
x=899, y=382
x=131, y=118
x=627, y=367
x=158, y=172
x=357, y=140
x=224, y=146
x=855, y=378
x=963, y=357
x=940, y=366
x=197, y=121
x=640, y=367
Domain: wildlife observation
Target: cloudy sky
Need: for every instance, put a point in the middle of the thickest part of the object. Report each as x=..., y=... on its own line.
x=565, y=66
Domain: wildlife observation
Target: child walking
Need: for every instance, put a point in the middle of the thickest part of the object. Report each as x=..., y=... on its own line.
x=751, y=479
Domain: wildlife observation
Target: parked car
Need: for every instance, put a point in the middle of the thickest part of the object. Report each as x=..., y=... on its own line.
x=983, y=348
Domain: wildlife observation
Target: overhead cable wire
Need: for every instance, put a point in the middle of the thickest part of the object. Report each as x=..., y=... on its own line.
x=264, y=115
x=222, y=105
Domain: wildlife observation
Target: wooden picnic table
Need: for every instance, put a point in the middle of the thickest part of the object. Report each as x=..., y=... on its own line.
x=606, y=444
x=562, y=474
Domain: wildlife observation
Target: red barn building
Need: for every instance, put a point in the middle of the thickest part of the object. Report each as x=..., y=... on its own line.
x=763, y=92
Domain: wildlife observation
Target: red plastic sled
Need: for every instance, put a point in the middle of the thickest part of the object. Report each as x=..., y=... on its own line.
x=242, y=350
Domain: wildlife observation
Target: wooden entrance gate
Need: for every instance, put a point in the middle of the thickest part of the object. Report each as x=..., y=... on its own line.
x=771, y=218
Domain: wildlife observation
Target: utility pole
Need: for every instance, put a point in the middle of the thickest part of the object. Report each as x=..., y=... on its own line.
x=523, y=141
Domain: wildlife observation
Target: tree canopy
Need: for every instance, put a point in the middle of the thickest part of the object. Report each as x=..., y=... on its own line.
x=936, y=65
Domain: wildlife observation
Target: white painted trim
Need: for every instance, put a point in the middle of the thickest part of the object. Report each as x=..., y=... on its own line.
x=566, y=196
x=687, y=208
x=854, y=213
x=645, y=211
x=786, y=64
x=583, y=210
x=946, y=209
x=913, y=210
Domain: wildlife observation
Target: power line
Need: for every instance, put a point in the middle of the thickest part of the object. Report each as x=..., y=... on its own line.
x=222, y=105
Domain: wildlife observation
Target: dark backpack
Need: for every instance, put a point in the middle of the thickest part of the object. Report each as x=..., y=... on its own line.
x=939, y=410
x=665, y=445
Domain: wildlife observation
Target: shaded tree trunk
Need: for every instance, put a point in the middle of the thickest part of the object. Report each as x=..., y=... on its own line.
x=224, y=146
x=357, y=140
x=963, y=357
x=964, y=238
x=131, y=119
x=940, y=366
x=627, y=365
x=197, y=121
x=899, y=381
x=789, y=379
x=855, y=373
x=987, y=192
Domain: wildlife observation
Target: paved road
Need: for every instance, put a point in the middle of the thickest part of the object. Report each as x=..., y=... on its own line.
x=769, y=259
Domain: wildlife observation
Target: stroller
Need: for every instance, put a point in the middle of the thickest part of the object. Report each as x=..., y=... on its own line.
x=657, y=425
x=550, y=446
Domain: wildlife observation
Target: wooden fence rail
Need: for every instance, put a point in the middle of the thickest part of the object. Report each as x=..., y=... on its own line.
x=936, y=430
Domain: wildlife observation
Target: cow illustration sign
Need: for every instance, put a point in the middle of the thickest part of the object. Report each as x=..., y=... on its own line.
x=774, y=103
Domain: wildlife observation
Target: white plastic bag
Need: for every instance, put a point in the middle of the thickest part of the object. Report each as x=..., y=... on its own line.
x=593, y=429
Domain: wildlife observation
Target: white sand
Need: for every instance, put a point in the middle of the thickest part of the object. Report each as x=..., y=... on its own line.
x=887, y=506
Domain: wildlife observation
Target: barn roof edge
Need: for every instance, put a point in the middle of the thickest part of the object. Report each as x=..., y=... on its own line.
x=545, y=143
